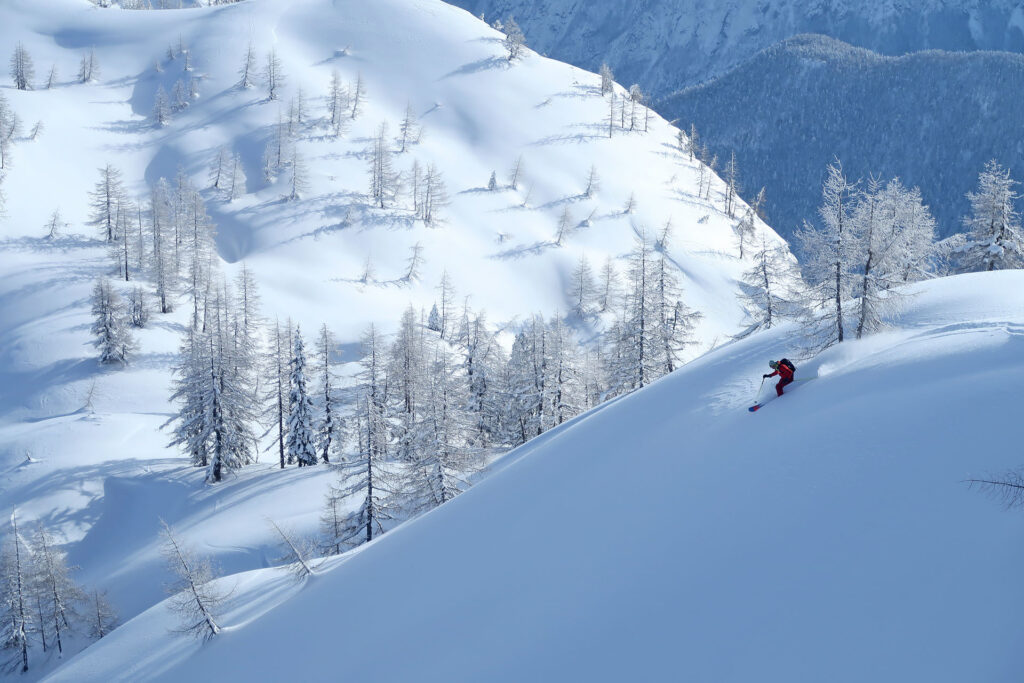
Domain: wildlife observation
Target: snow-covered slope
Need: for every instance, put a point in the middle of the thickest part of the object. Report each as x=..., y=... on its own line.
x=673, y=535
x=666, y=45
x=790, y=110
x=81, y=448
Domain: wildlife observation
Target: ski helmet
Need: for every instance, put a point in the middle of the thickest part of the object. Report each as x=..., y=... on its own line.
x=774, y=365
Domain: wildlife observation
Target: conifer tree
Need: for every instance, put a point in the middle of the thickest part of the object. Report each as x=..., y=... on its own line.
x=22, y=70
x=112, y=337
x=195, y=599
x=300, y=443
x=16, y=619
x=995, y=239
x=59, y=594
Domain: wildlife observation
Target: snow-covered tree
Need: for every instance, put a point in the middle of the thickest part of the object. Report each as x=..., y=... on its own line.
x=299, y=173
x=515, y=173
x=406, y=373
x=583, y=290
x=58, y=594
x=358, y=95
x=195, y=599
x=236, y=178
x=995, y=240
x=732, y=189
x=102, y=618
x=278, y=388
x=179, y=96
x=338, y=103
x=89, y=68
x=273, y=74
x=51, y=79
x=218, y=168
x=434, y=319
x=104, y=200
x=593, y=182
x=329, y=425
x=610, y=286
x=447, y=291
x=161, y=107
x=515, y=41
x=383, y=179
x=247, y=73
x=364, y=475
x=22, y=70
x=112, y=337
x=16, y=618
x=435, y=196
x=766, y=292
x=409, y=131
x=607, y=79
x=415, y=261
x=829, y=250
x=566, y=225
x=138, y=307
x=492, y=182
x=300, y=443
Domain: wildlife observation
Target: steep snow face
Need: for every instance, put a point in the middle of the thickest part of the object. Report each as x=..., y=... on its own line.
x=666, y=45
x=674, y=535
x=81, y=446
x=790, y=110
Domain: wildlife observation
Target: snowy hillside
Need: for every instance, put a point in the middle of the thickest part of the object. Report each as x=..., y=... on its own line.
x=82, y=447
x=667, y=45
x=674, y=535
x=788, y=111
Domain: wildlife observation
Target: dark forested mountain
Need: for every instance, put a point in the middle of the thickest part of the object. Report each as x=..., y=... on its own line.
x=666, y=45
x=933, y=118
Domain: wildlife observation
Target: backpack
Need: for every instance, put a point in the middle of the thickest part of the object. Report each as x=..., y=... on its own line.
x=788, y=364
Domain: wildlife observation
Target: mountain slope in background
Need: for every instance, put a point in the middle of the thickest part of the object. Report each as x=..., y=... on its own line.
x=666, y=45
x=931, y=118
x=672, y=535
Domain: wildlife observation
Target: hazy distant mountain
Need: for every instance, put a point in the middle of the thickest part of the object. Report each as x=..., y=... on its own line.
x=932, y=118
x=666, y=45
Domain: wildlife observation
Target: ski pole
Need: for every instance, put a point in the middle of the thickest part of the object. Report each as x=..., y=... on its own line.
x=758, y=398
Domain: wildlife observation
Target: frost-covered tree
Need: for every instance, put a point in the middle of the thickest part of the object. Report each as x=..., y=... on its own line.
x=407, y=375
x=299, y=174
x=566, y=225
x=894, y=232
x=138, y=307
x=10, y=127
x=766, y=287
x=995, y=240
x=16, y=618
x=104, y=200
x=338, y=103
x=492, y=182
x=610, y=286
x=300, y=443
x=593, y=182
x=447, y=291
x=278, y=386
x=365, y=475
x=515, y=173
x=383, y=179
x=247, y=73
x=112, y=337
x=89, y=68
x=236, y=178
x=58, y=594
x=329, y=426
x=102, y=618
x=515, y=40
x=607, y=79
x=218, y=169
x=194, y=597
x=409, y=131
x=273, y=74
x=161, y=107
x=434, y=319
x=611, y=113
x=22, y=71
x=358, y=95
x=746, y=228
x=179, y=96
x=435, y=196
x=527, y=374
x=732, y=188
x=51, y=79
x=829, y=249
x=583, y=290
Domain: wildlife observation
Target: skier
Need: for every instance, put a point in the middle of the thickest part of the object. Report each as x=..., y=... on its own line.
x=784, y=369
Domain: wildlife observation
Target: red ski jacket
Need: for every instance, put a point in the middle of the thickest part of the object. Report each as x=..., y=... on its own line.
x=782, y=371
